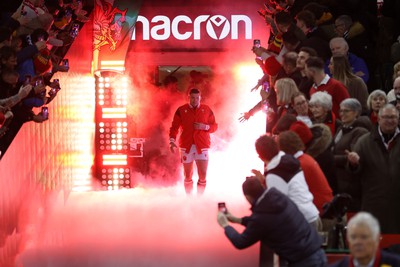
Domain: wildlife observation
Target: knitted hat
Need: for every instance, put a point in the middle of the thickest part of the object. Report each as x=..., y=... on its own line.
x=272, y=66
x=252, y=187
x=302, y=130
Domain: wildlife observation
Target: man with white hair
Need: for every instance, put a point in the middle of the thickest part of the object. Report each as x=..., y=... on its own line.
x=363, y=236
x=375, y=157
x=340, y=47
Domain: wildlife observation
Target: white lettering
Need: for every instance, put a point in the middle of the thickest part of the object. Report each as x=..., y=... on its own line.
x=235, y=23
x=197, y=23
x=164, y=30
x=175, y=29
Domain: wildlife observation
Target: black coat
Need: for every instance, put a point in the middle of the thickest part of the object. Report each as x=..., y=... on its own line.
x=277, y=223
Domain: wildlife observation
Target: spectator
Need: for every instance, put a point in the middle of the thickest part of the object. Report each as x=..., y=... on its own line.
x=355, y=35
x=376, y=158
x=321, y=109
x=290, y=143
x=353, y=127
x=270, y=59
x=339, y=47
x=8, y=58
x=268, y=103
x=363, y=236
x=324, y=18
x=375, y=101
x=289, y=69
x=322, y=82
x=389, y=84
x=278, y=224
x=391, y=96
x=306, y=82
x=285, y=89
x=10, y=93
x=291, y=41
x=300, y=105
x=283, y=172
x=315, y=37
x=196, y=121
x=318, y=142
x=340, y=68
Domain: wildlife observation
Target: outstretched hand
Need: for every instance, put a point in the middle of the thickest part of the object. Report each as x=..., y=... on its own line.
x=244, y=117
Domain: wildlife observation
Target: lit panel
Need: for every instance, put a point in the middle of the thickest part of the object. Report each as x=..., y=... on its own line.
x=117, y=159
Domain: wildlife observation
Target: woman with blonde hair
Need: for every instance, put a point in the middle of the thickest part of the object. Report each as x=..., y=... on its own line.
x=340, y=68
x=285, y=89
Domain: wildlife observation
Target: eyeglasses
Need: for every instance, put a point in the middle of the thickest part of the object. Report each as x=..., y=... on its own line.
x=389, y=117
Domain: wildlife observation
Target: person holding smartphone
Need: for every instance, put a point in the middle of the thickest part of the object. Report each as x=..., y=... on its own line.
x=277, y=222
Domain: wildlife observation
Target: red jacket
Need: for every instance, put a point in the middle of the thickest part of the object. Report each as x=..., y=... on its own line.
x=316, y=181
x=184, y=119
x=336, y=89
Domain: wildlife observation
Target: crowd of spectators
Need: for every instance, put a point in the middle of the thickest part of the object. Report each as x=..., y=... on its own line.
x=34, y=38
x=339, y=102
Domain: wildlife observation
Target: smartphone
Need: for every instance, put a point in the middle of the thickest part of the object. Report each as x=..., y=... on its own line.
x=65, y=62
x=39, y=82
x=74, y=30
x=29, y=40
x=222, y=207
x=57, y=87
x=266, y=86
x=28, y=79
x=45, y=112
x=257, y=43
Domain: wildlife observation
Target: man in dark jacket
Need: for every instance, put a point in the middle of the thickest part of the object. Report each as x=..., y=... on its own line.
x=278, y=224
x=376, y=158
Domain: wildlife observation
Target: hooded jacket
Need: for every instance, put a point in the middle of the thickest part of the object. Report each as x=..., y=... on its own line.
x=285, y=174
x=277, y=223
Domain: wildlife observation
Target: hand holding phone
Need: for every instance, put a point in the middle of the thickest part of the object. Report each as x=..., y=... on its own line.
x=222, y=207
x=45, y=112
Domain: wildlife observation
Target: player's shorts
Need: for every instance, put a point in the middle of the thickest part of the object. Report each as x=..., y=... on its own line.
x=188, y=157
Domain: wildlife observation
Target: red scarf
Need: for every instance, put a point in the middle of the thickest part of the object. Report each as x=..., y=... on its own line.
x=376, y=261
